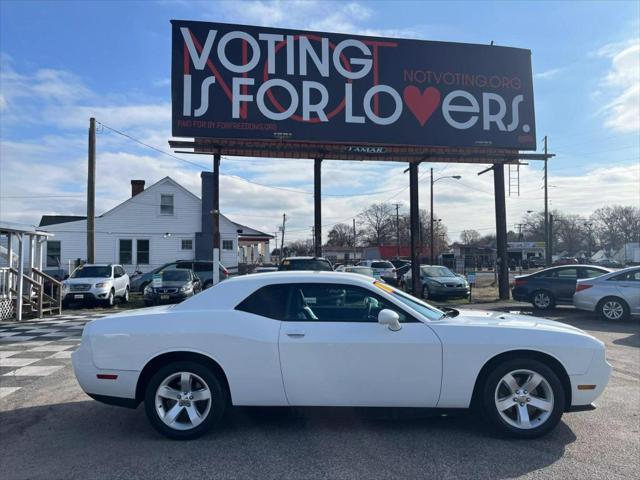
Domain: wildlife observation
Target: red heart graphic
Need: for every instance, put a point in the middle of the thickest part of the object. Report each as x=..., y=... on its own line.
x=422, y=105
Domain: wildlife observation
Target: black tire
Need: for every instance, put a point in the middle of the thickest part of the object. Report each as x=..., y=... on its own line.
x=538, y=300
x=110, y=301
x=207, y=284
x=125, y=297
x=219, y=400
x=494, y=381
x=609, y=306
x=425, y=292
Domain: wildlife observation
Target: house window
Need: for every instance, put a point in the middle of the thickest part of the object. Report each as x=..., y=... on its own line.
x=142, y=252
x=187, y=244
x=53, y=253
x=227, y=244
x=166, y=204
x=126, y=252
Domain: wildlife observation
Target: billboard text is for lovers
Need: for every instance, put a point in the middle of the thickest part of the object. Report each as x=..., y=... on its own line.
x=232, y=81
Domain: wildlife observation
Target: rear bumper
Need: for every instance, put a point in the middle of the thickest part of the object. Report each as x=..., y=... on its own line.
x=520, y=295
x=117, y=391
x=584, y=303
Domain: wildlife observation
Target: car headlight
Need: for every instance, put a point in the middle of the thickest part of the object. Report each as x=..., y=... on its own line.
x=102, y=284
x=186, y=288
x=65, y=287
x=432, y=281
x=148, y=289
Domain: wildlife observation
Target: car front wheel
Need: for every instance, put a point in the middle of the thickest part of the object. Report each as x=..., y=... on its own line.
x=523, y=398
x=184, y=400
x=110, y=301
x=125, y=297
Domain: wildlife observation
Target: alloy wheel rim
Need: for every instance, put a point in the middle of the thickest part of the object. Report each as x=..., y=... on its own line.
x=612, y=310
x=183, y=400
x=524, y=399
x=542, y=300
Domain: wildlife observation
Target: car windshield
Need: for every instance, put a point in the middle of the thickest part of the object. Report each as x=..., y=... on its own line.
x=436, y=272
x=361, y=270
x=382, y=265
x=418, y=305
x=306, y=264
x=92, y=272
x=175, y=275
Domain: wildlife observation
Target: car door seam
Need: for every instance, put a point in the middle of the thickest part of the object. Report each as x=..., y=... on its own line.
x=284, y=389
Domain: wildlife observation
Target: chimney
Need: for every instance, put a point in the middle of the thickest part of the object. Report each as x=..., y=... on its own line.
x=137, y=186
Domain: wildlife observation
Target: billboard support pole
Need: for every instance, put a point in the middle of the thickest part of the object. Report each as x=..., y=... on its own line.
x=215, y=225
x=91, y=193
x=414, y=214
x=501, y=231
x=317, y=206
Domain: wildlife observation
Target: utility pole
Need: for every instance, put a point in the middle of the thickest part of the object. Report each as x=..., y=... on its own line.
x=215, y=225
x=284, y=221
x=547, y=234
x=431, y=224
x=275, y=236
x=397, y=230
x=414, y=215
x=317, y=206
x=501, y=231
x=91, y=194
x=550, y=239
x=354, y=241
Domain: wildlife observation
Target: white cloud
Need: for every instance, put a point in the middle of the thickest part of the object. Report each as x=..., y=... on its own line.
x=549, y=74
x=623, y=83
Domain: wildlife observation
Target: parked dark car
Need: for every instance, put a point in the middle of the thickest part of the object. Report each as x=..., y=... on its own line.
x=177, y=285
x=306, y=263
x=552, y=286
x=566, y=261
x=202, y=268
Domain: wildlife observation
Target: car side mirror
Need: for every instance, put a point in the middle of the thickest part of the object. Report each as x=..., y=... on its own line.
x=389, y=318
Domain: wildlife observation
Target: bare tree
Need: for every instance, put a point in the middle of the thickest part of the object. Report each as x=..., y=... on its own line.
x=616, y=225
x=469, y=237
x=300, y=247
x=340, y=235
x=378, y=223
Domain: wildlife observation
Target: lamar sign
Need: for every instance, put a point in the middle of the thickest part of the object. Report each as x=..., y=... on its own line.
x=233, y=81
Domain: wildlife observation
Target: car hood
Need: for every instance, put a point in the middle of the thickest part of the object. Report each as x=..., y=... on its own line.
x=456, y=280
x=175, y=284
x=73, y=281
x=510, y=320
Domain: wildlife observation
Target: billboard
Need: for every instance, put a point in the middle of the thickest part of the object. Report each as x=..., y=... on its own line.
x=245, y=82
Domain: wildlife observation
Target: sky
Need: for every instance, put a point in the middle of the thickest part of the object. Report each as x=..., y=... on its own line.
x=64, y=62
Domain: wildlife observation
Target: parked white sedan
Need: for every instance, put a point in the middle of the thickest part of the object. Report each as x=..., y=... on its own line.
x=335, y=339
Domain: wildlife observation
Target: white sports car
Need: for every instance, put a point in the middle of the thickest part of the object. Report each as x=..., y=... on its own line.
x=335, y=339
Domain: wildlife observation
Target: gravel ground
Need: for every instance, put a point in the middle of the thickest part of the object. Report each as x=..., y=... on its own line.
x=51, y=430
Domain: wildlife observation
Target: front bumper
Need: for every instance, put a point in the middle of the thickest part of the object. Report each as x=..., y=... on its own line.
x=448, y=292
x=586, y=388
x=159, y=298
x=88, y=296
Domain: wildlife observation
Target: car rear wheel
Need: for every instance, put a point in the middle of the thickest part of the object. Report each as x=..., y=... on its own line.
x=613, y=308
x=183, y=400
x=523, y=398
x=542, y=300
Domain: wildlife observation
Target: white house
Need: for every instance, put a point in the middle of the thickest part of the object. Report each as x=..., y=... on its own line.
x=157, y=225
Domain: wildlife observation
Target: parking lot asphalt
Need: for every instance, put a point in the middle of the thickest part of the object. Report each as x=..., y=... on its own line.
x=49, y=429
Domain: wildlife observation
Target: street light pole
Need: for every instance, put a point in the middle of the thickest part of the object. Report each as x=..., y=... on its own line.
x=455, y=177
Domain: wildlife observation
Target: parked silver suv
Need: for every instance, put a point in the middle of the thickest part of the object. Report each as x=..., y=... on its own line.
x=99, y=282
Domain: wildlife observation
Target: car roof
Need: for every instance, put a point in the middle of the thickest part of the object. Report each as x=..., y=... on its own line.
x=99, y=265
x=229, y=293
x=305, y=258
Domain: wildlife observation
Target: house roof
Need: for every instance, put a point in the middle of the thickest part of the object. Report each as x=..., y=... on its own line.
x=55, y=219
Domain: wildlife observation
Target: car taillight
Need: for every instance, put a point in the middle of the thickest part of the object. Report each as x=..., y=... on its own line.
x=582, y=286
x=520, y=282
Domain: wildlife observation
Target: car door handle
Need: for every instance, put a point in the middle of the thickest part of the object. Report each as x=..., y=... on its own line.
x=295, y=333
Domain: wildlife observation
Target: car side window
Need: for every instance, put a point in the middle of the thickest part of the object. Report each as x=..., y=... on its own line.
x=568, y=273
x=590, y=273
x=633, y=276
x=338, y=303
x=270, y=301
